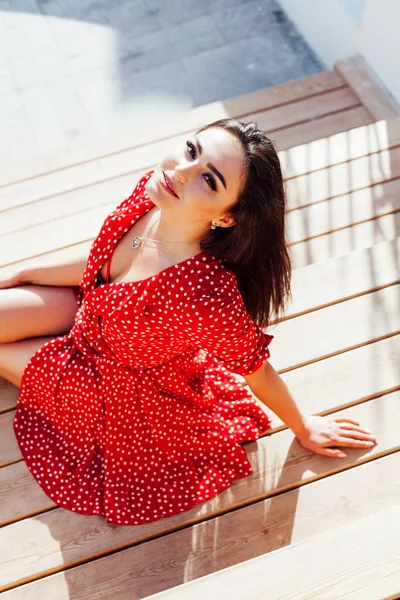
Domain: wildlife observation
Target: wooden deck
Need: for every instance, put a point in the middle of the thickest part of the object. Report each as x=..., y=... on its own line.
x=301, y=526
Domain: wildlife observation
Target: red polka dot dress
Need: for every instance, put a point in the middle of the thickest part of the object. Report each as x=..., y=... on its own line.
x=136, y=413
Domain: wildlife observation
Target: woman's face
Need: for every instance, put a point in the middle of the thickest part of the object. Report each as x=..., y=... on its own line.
x=204, y=197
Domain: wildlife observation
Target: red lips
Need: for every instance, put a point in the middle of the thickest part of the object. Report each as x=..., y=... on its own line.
x=171, y=187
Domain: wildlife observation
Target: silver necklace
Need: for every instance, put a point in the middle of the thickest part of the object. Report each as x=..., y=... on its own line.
x=137, y=240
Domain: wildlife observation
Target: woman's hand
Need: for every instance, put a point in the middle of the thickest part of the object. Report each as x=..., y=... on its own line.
x=320, y=432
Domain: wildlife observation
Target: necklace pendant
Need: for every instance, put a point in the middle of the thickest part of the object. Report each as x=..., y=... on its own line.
x=136, y=242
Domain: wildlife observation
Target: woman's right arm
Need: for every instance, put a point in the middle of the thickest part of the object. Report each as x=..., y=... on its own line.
x=61, y=272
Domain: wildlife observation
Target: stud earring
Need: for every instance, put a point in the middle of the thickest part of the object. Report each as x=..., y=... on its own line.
x=213, y=226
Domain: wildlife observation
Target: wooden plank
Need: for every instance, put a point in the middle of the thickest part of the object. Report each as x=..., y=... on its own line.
x=270, y=97
x=366, y=171
x=145, y=157
x=358, y=561
x=19, y=487
x=102, y=197
x=320, y=128
x=192, y=119
x=58, y=542
x=364, y=81
x=114, y=176
x=363, y=319
x=9, y=450
x=60, y=233
x=346, y=379
x=344, y=277
x=351, y=239
x=343, y=211
x=8, y=395
x=60, y=254
x=309, y=109
x=340, y=147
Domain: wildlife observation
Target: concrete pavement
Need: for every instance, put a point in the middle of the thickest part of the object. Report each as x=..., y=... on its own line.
x=79, y=68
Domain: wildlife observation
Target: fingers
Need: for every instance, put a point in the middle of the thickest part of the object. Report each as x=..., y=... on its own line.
x=331, y=452
x=360, y=434
x=343, y=420
x=353, y=443
x=352, y=435
x=353, y=427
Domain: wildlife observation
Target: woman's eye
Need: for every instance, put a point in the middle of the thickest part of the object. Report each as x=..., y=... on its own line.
x=191, y=147
x=212, y=185
x=211, y=180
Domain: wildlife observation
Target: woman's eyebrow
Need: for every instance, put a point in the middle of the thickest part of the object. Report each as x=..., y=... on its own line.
x=209, y=165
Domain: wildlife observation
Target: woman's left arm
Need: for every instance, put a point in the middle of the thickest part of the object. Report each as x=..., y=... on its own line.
x=314, y=432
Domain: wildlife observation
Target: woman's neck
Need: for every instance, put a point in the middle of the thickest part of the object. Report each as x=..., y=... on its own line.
x=184, y=239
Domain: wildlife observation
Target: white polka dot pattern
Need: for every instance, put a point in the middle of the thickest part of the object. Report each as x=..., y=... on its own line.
x=135, y=413
x=217, y=320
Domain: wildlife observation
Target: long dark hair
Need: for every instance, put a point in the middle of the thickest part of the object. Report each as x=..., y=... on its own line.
x=256, y=248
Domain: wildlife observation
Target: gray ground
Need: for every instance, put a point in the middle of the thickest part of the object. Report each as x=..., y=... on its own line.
x=77, y=68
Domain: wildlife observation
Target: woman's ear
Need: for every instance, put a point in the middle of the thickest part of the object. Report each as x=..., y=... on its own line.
x=226, y=221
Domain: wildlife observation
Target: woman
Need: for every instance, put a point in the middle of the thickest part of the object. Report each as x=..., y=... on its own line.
x=136, y=414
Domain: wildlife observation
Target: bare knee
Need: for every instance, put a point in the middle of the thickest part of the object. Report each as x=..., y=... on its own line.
x=35, y=310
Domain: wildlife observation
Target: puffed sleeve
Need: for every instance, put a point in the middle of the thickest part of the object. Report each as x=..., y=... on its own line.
x=220, y=323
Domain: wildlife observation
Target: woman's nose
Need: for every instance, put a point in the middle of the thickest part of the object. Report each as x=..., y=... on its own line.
x=182, y=175
x=184, y=172
x=179, y=174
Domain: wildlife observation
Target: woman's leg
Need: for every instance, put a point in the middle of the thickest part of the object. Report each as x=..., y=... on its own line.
x=38, y=313
x=15, y=356
x=36, y=310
